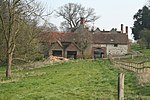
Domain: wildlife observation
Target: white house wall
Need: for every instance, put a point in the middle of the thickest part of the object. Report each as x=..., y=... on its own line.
x=119, y=50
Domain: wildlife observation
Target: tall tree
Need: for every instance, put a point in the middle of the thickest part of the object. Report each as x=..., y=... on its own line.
x=27, y=42
x=72, y=13
x=145, y=38
x=10, y=27
x=142, y=20
x=13, y=15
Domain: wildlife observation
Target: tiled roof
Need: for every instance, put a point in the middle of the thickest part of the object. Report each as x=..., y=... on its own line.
x=105, y=38
x=121, y=38
x=63, y=37
x=57, y=36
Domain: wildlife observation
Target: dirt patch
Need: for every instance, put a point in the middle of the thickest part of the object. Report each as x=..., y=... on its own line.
x=144, y=78
x=49, y=61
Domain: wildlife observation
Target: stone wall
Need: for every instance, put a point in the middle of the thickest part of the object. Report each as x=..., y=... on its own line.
x=119, y=50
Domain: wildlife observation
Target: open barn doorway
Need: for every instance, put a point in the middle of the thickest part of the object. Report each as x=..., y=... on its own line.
x=98, y=53
x=72, y=54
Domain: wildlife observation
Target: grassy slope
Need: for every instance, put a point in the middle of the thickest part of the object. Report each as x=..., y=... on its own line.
x=69, y=81
x=145, y=52
x=144, y=56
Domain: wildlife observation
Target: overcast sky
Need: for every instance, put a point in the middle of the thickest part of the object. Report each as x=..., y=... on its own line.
x=112, y=12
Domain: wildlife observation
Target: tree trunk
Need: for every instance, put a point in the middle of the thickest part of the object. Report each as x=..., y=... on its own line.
x=9, y=63
x=82, y=54
x=148, y=47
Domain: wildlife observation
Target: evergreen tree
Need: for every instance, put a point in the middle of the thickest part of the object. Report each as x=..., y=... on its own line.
x=142, y=20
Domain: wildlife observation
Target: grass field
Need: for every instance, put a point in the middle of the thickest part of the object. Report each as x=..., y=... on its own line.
x=78, y=80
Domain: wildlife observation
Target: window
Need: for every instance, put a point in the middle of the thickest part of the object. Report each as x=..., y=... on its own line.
x=115, y=45
x=57, y=53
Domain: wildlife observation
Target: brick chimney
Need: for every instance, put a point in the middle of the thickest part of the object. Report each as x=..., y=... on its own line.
x=126, y=29
x=121, y=28
x=82, y=21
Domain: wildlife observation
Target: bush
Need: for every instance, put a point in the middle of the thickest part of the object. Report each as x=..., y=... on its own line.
x=38, y=57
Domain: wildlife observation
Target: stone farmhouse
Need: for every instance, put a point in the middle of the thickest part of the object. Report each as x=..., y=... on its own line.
x=97, y=44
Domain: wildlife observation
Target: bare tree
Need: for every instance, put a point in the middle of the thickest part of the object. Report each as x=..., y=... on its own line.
x=72, y=13
x=46, y=27
x=84, y=38
x=64, y=26
x=13, y=14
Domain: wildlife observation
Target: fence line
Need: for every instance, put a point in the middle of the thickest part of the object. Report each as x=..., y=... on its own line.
x=134, y=67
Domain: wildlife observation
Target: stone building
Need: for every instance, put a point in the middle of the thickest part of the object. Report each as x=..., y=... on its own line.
x=96, y=44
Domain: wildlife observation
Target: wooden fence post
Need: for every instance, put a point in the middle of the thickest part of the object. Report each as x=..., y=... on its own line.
x=121, y=86
x=132, y=56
